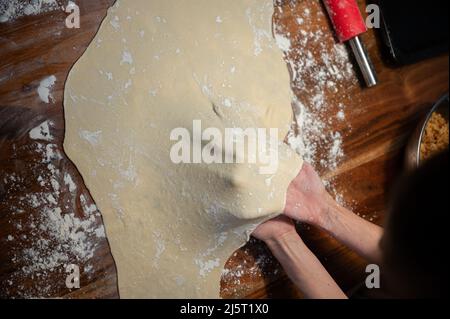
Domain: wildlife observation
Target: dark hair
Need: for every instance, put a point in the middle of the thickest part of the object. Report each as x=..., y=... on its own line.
x=414, y=246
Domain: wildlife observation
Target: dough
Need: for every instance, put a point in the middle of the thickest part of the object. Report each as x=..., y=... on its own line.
x=159, y=65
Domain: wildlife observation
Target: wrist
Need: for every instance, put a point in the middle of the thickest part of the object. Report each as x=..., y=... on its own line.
x=323, y=209
x=328, y=213
x=283, y=240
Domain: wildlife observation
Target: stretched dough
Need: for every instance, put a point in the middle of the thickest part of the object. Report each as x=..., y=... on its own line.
x=155, y=66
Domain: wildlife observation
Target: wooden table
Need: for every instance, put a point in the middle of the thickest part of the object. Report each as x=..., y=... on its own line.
x=378, y=123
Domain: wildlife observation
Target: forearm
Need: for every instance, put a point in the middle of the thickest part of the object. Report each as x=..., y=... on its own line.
x=353, y=231
x=304, y=269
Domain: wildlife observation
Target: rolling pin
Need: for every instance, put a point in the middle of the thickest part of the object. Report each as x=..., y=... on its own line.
x=349, y=25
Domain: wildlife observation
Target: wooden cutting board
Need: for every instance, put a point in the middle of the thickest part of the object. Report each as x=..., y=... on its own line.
x=377, y=125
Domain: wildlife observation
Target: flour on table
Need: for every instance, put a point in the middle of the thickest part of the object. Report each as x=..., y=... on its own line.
x=51, y=237
x=322, y=76
x=283, y=42
x=44, y=89
x=11, y=10
x=319, y=71
x=42, y=132
x=69, y=182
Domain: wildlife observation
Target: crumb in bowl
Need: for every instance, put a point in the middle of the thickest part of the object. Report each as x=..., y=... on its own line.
x=435, y=138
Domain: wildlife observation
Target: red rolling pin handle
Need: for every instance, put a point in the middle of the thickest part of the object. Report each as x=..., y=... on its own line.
x=346, y=18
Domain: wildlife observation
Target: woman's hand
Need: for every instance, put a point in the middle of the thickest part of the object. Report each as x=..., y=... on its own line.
x=300, y=264
x=307, y=200
x=274, y=229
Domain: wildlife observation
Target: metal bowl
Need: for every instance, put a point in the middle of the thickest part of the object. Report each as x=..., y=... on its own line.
x=413, y=148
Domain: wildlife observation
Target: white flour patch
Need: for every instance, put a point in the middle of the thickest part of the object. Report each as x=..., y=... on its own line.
x=100, y=232
x=160, y=247
x=11, y=10
x=127, y=58
x=44, y=89
x=336, y=151
x=115, y=22
x=41, y=132
x=283, y=43
x=68, y=181
x=256, y=263
x=92, y=137
x=205, y=267
x=51, y=153
x=128, y=84
x=263, y=38
x=88, y=209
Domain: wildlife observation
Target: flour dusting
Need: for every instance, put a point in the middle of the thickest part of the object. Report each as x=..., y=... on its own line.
x=11, y=10
x=44, y=89
x=46, y=233
x=92, y=137
x=283, y=43
x=41, y=132
x=320, y=73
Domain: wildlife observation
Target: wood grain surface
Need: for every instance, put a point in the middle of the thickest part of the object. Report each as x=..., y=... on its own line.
x=377, y=126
